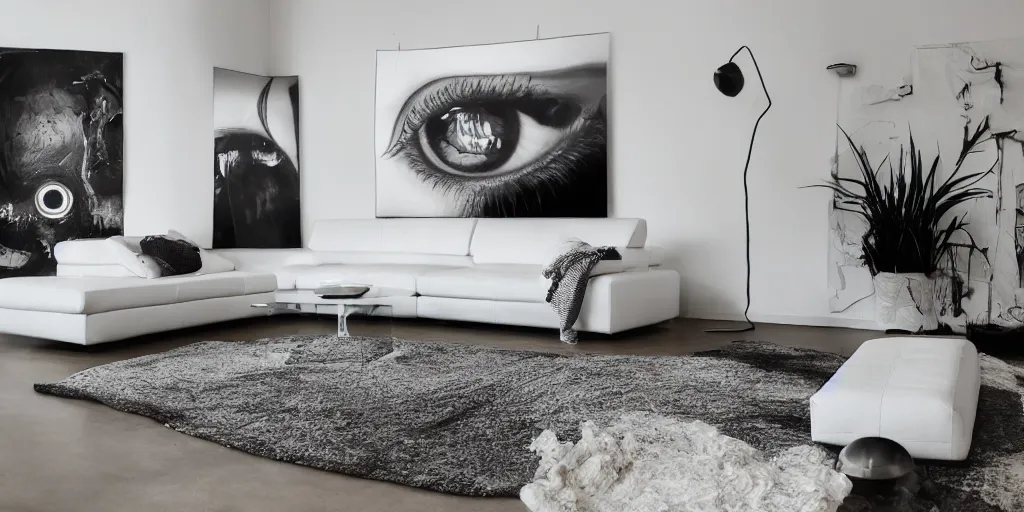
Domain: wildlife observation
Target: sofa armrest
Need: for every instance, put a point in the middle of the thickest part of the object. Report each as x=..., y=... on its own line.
x=88, y=251
x=633, y=260
x=623, y=301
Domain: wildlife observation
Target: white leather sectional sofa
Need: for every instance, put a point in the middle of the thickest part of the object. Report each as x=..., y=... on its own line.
x=478, y=270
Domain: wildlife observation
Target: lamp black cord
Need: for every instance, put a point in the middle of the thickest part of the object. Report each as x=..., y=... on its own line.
x=746, y=191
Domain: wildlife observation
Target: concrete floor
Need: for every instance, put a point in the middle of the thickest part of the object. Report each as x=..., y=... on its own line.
x=62, y=455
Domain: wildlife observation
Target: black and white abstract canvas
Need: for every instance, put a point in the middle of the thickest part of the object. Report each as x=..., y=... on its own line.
x=967, y=107
x=61, y=139
x=501, y=130
x=256, y=161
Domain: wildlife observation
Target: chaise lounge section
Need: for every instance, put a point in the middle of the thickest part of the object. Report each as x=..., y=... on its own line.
x=91, y=310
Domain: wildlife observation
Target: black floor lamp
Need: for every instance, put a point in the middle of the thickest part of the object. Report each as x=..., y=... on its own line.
x=729, y=80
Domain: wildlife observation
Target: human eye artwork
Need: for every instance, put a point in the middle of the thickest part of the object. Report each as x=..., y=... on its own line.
x=503, y=130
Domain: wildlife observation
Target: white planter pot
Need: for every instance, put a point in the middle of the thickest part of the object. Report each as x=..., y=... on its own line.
x=905, y=302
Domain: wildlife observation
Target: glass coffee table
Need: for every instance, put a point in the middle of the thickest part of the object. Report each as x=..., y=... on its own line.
x=377, y=302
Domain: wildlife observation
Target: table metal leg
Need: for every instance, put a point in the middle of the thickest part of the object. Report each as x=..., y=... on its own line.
x=343, y=322
x=345, y=310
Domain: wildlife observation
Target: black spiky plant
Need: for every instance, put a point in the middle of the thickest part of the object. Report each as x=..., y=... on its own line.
x=907, y=232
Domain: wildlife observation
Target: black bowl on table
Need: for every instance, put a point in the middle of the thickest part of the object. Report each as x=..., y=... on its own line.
x=348, y=291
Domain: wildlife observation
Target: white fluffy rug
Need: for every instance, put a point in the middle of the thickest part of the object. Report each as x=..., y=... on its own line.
x=651, y=463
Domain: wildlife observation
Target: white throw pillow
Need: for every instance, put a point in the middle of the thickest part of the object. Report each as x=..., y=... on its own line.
x=214, y=263
x=139, y=264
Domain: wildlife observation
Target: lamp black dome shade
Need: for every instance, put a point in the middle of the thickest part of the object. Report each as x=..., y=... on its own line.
x=729, y=79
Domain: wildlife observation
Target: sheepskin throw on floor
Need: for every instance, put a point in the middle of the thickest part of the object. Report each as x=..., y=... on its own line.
x=461, y=419
x=654, y=463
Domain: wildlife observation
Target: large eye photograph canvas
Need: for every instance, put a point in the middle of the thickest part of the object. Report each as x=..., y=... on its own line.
x=499, y=130
x=256, y=161
x=61, y=139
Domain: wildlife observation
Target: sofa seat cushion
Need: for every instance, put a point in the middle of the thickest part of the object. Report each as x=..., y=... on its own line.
x=90, y=295
x=501, y=282
x=309, y=277
x=920, y=392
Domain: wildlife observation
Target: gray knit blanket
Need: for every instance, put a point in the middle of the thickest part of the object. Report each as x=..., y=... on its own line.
x=569, y=274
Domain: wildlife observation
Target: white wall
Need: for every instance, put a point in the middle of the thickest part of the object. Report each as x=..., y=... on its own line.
x=170, y=49
x=678, y=146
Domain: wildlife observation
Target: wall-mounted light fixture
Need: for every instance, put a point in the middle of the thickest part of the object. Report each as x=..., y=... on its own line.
x=843, y=69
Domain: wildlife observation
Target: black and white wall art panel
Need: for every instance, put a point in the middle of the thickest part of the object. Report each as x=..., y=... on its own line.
x=500, y=130
x=256, y=161
x=61, y=133
x=967, y=108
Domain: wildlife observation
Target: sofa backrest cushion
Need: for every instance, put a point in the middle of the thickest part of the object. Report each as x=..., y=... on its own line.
x=531, y=241
x=393, y=258
x=424, y=236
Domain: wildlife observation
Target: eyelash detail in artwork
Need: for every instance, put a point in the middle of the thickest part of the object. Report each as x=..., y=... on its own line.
x=439, y=95
x=509, y=145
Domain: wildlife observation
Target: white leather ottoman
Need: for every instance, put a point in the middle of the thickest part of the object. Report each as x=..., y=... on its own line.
x=920, y=392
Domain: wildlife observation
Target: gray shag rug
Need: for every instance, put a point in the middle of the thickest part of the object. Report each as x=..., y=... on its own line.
x=459, y=419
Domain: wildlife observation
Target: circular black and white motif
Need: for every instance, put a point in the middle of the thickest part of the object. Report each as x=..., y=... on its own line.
x=54, y=200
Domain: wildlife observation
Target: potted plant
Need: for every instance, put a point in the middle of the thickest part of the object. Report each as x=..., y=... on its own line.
x=910, y=227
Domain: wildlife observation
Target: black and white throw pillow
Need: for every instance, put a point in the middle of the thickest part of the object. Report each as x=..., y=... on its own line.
x=175, y=257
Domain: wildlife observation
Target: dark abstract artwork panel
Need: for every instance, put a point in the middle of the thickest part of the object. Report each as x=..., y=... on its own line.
x=256, y=161
x=501, y=130
x=61, y=139
x=966, y=104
